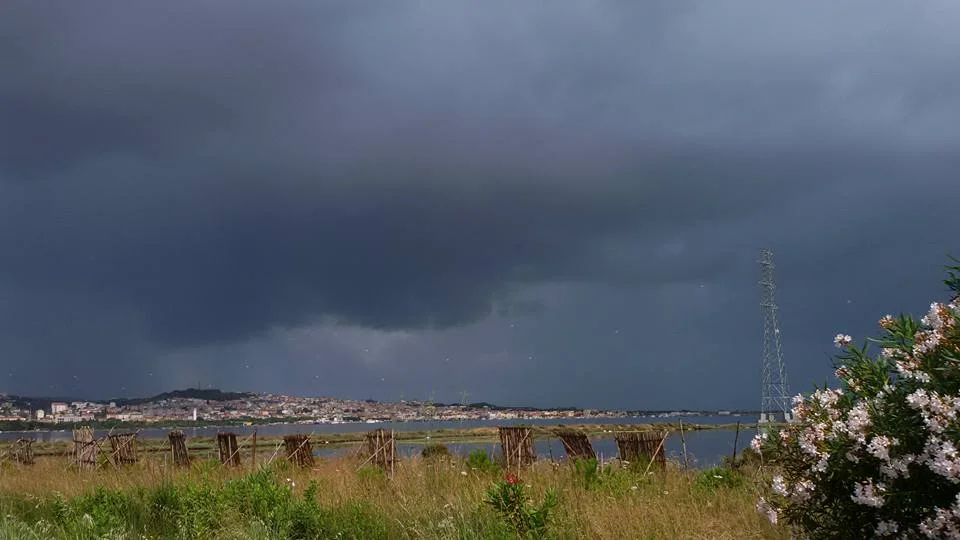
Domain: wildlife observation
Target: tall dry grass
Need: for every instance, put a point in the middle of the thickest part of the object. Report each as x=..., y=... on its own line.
x=426, y=498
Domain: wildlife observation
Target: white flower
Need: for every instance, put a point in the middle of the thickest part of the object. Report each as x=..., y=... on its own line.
x=758, y=441
x=858, y=420
x=887, y=322
x=867, y=494
x=886, y=528
x=842, y=340
x=880, y=447
x=891, y=353
x=802, y=491
x=898, y=467
x=919, y=399
x=780, y=486
x=942, y=458
x=764, y=508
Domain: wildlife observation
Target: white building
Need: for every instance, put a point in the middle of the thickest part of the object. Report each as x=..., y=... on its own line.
x=40, y=414
x=58, y=407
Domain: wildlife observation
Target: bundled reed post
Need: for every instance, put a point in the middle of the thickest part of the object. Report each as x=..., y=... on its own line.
x=124, y=446
x=517, y=445
x=298, y=450
x=576, y=444
x=85, y=448
x=253, y=452
x=178, y=447
x=382, y=448
x=228, y=449
x=23, y=451
x=641, y=446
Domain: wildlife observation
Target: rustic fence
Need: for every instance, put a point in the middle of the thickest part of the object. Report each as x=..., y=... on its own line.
x=124, y=446
x=23, y=451
x=382, y=449
x=178, y=449
x=299, y=451
x=642, y=446
x=517, y=446
x=86, y=449
x=228, y=450
x=576, y=444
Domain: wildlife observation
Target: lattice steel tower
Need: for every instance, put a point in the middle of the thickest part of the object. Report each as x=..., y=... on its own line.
x=775, y=396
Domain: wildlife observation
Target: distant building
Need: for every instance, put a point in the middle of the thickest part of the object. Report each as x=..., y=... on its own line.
x=40, y=414
x=58, y=407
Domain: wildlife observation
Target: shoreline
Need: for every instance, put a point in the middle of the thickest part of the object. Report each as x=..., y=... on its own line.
x=484, y=434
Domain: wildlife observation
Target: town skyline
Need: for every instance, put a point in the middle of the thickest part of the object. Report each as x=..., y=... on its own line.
x=214, y=405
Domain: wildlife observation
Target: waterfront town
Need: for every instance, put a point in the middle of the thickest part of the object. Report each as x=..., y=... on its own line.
x=215, y=406
x=251, y=407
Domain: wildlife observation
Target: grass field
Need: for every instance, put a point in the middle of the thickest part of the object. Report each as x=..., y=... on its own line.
x=439, y=497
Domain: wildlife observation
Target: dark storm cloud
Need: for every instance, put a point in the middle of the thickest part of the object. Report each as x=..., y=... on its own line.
x=202, y=173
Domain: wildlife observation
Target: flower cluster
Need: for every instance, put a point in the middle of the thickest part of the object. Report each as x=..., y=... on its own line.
x=879, y=456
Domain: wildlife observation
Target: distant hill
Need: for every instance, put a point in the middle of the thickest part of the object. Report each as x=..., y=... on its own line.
x=34, y=403
x=208, y=394
x=493, y=407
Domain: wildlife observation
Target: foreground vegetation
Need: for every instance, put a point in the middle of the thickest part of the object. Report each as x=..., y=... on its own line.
x=440, y=496
x=878, y=456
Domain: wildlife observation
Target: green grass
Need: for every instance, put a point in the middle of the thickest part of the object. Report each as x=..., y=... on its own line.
x=440, y=497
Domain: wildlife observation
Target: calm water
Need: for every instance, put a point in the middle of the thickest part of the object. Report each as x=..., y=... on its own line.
x=704, y=448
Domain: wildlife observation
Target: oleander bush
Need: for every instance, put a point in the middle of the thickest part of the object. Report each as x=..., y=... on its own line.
x=877, y=456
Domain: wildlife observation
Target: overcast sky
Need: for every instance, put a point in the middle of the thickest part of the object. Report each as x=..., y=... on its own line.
x=531, y=203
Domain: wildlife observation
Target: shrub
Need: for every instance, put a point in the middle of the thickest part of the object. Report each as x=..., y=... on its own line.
x=435, y=450
x=586, y=472
x=510, y=501
x=479, y=460
x=877, y=456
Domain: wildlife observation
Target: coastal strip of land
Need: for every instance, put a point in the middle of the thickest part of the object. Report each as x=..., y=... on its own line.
x=448, y=435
